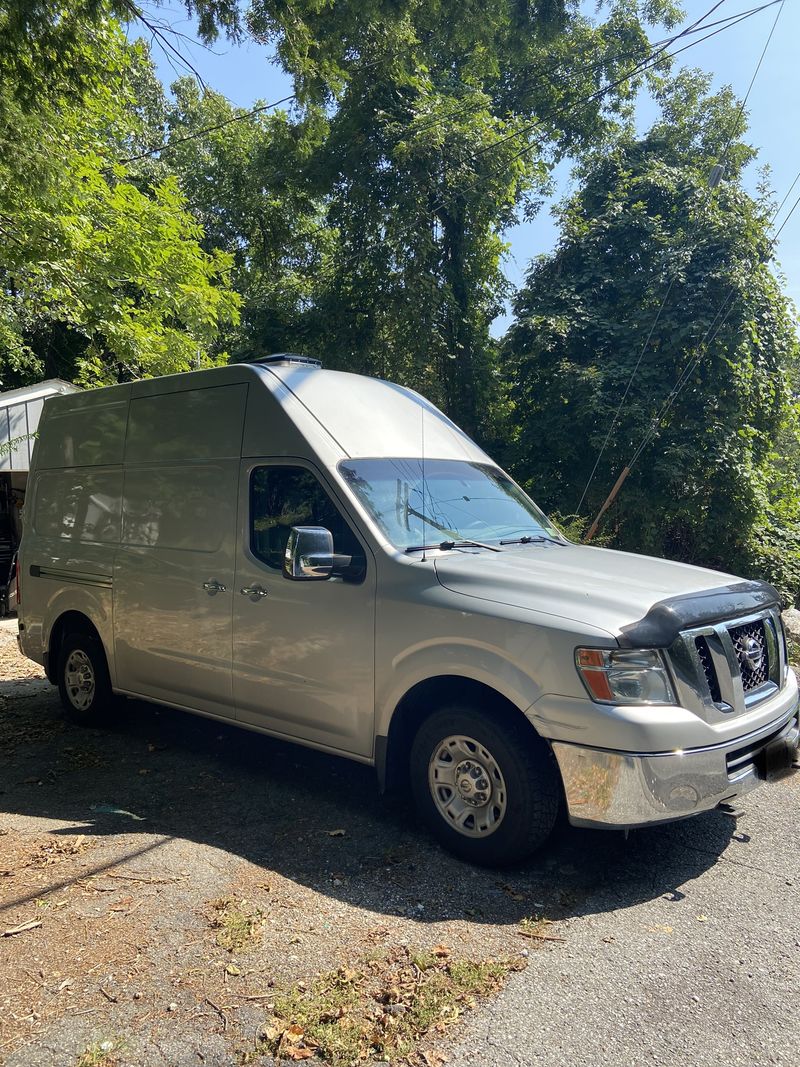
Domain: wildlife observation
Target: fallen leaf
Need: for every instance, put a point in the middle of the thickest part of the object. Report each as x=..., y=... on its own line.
x=335, y=833
x=298, y=1053
x=121, y=905
x=30, y=925
x=232, y=969
x=702, y=918
x=659, y=929
x=434, y=1059
x=441, y=951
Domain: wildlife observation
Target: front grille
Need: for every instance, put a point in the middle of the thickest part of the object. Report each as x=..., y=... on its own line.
x=750, y=647
x=706, y=662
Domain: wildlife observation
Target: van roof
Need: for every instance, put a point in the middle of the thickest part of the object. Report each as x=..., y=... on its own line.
x=372, y=417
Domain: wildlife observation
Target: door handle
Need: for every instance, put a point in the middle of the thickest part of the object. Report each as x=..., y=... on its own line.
x=212, y=586
x=255, y=592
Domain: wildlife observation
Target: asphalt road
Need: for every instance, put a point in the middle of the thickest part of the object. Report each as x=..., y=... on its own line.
x=677, y=946
x=668, y=959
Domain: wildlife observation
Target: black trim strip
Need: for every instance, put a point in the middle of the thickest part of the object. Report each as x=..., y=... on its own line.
x=102, y=581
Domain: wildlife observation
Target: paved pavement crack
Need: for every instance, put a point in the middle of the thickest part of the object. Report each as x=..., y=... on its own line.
x=736, y=863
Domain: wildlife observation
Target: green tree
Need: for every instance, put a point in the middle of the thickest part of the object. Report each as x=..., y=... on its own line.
x=646, y=229
x=103, y=276
x=58, y=49
x=445, y=118
x=246, y=184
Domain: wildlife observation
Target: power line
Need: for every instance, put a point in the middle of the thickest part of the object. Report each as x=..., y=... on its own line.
x=711, y=333
x=196, y=134
x=658, y=54
x=733, y=21
x=746, y=97
x=604, y=62
x=640, y=67
x=625, y=394
x=658, y=46
x=635, y=370
x=791, y=212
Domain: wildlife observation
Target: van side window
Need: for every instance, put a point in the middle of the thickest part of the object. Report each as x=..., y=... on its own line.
x=282, y=497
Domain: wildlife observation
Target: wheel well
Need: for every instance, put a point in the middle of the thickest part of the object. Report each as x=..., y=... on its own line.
x=68, y=623
x=392, y=752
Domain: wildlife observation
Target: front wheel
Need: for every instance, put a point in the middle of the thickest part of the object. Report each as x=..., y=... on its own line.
x=488, y=788
x=83, y=681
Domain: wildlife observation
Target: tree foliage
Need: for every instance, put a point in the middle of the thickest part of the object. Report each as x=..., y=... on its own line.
x=645, y=230
x=420, y=131
x=103, y=276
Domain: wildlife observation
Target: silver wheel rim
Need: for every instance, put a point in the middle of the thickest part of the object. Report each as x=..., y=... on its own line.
x=467, y=786
x=79, y=679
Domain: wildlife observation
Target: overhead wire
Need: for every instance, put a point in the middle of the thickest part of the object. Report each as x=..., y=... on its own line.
x=600, y=63
x=746, y=97
x=657, y=55
x=635, y=370
x=657, y=46
x=713, y=329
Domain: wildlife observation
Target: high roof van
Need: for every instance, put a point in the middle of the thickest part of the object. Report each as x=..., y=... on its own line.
x=325, y=557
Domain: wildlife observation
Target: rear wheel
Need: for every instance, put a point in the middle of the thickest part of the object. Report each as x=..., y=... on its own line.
x=83, y=679
x=488, y=788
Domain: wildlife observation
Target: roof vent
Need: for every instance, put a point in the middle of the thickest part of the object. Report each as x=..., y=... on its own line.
x=282, y=358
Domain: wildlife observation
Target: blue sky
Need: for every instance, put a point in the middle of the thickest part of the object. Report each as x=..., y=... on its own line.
x=245, y=74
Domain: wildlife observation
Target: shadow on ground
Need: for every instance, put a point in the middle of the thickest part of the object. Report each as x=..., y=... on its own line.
x=162, y=772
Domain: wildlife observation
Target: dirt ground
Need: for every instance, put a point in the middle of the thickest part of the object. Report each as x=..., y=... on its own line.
x=162, y=880
x=122, y=851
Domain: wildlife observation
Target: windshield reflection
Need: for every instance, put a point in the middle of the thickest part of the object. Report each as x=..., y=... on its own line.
x=458, y=500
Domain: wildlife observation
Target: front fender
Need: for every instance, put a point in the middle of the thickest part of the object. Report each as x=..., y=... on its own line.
x=463, y=659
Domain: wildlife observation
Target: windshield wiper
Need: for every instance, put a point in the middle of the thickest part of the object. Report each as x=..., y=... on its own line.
x=445, y=546
x=527, y=540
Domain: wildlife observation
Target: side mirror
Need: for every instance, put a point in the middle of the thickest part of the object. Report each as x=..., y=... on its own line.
x=309, y=554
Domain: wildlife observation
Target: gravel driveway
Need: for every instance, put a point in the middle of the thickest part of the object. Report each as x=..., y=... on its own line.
x=122, y=848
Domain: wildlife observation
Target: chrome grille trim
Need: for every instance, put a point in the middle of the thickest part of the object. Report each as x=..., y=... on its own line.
x=708, y=672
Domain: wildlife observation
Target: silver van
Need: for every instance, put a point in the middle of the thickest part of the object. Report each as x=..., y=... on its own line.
x=325, y=557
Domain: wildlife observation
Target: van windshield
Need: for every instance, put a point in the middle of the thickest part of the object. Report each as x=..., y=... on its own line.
x=462, y=501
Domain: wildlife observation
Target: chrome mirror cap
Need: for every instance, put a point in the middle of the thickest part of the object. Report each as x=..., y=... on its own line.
x=309, y=554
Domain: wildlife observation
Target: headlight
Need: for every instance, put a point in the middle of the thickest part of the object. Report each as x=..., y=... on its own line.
x=624, y=676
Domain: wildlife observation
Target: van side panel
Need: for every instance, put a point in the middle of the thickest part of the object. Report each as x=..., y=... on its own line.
x=73, y=515
x=83, y=430
x=174, y=573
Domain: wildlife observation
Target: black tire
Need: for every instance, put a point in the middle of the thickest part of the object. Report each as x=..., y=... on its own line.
x=524, y=784
x=91, y=703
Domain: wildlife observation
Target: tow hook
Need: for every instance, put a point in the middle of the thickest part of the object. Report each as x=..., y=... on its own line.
x=729, y=809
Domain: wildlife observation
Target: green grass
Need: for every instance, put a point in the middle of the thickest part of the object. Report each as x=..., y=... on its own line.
x=381, y=1010
x=102, y=1053
x=237, y=922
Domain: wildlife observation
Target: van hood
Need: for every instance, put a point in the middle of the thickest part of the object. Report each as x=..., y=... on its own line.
x=640, y=600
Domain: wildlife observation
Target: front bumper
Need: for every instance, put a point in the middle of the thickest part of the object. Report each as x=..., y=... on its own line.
x=625, y=790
